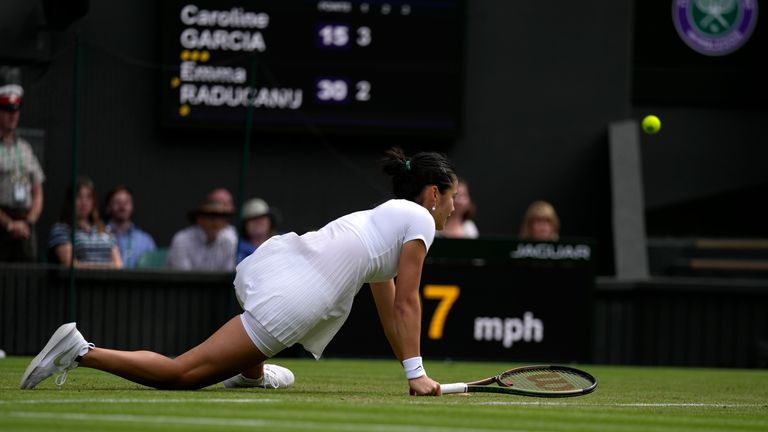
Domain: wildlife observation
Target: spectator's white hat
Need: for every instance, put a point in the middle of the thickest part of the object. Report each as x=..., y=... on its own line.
x=255, y=207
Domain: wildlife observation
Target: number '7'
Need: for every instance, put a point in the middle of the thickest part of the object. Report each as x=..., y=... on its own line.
x=447, y=294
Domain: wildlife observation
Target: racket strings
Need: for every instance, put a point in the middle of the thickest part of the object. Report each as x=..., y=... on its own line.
x=550, y=380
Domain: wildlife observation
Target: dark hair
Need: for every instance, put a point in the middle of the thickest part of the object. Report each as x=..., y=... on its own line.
x=411, y=174
x=472, y=209
x=111, y=194
x=65, y=216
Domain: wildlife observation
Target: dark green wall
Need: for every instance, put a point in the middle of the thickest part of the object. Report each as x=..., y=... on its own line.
x=541, y=84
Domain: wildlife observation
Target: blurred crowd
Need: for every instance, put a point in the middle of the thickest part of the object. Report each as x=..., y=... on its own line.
x=88, y=235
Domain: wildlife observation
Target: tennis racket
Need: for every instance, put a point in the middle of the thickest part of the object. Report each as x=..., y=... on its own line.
x=539, y=381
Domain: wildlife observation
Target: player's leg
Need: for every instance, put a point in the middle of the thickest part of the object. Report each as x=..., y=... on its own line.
x=254, y=372
x=223, y=354
x=259, y=374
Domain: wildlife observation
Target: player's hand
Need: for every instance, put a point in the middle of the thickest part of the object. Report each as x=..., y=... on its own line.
x=424, y=386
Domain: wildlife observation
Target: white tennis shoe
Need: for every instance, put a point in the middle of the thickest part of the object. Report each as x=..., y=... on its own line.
x=58, y=356
x=275, y=377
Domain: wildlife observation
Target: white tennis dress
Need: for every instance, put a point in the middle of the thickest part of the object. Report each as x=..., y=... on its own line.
x=299, y=289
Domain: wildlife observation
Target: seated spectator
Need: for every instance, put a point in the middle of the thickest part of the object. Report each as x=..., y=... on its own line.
x=461, y=224
x=210, y=243
x=540, y=223
x=132, y=241
x=95, y=247
x=223, y=195
x=259, y=223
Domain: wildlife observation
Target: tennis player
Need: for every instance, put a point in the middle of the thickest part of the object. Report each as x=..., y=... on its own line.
x=299, y=289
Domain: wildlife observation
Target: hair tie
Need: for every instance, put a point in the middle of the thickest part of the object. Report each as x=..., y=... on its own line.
x=407, y=165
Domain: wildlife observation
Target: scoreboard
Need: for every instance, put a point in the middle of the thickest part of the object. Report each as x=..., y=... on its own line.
x=309, y=66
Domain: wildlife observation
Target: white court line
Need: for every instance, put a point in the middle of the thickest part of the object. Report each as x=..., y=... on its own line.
x=693, y=405
x=125, y=401
x=257, y=401
x=270, y=424
x=630, y=405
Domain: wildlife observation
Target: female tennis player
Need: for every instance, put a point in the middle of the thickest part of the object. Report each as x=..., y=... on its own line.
x=299, y=289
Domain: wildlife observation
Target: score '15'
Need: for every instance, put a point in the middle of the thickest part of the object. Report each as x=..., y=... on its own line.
x=337, y=36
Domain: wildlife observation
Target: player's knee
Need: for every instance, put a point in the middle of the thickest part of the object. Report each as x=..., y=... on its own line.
x=175, y=378
x=190, y=380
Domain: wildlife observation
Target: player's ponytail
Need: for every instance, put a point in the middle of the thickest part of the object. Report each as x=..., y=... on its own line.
x=411, y=174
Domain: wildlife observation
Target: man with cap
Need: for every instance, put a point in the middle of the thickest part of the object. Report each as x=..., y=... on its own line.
x=21, y=183
x=210, y=243
x=259, y=223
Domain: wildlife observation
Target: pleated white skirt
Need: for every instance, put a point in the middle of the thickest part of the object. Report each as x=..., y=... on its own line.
x=300, y=289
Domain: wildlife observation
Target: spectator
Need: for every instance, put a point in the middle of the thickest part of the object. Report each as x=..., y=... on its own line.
x=259, y=223
x=132, y=241
x=540, y=223
x=21, y=182
x=210, y=243
x=223, y=195
x=95, y=247
x=461, y=222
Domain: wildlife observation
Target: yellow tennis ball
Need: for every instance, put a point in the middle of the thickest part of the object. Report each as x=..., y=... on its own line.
x=651, y=124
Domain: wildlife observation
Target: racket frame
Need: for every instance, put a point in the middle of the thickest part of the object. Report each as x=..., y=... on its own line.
x=483, y=386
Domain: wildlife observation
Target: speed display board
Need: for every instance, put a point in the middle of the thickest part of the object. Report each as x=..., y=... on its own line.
x=489, y=299
x=337, y=66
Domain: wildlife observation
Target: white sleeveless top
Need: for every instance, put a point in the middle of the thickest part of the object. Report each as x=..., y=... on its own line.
x=300, y=288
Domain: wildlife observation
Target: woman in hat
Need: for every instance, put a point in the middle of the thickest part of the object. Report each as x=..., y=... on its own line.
x=299, y=289
x=259, y=223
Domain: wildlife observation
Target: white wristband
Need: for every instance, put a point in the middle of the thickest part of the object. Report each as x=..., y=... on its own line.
x=413, y=368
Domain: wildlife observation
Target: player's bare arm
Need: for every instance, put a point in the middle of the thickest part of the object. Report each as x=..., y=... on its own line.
x=384, y=297
x=407, y=313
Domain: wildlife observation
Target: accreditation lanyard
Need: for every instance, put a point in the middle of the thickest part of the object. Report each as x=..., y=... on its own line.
x=128, y=251
x=17, y=177
x=129, y=245
x=19, y=163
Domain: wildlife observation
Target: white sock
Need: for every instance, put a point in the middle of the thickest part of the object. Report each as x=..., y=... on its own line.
x=250, y=381
x=84, y=350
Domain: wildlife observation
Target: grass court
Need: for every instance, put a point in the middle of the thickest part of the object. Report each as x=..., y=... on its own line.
x=371, y=395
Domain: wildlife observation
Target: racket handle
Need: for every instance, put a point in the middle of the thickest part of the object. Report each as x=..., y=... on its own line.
x=453, y=388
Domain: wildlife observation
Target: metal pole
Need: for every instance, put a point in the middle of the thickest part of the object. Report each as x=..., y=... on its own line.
x=244, y=165
x=246, y=155
x=72, y=290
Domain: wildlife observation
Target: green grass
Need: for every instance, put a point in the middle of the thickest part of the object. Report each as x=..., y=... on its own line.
x=371, y=395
